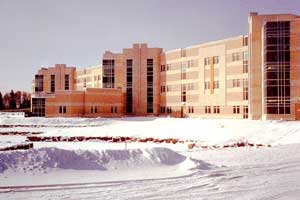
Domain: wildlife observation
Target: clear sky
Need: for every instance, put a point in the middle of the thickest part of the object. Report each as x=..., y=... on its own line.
x=36, y=33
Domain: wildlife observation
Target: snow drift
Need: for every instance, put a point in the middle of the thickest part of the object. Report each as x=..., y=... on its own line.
x=46, y=158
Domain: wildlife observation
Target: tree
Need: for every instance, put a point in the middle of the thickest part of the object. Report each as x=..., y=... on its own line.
x=25, y=103
x=12, y=100
x=6, y=100
x=18, y=98
x=1, y=102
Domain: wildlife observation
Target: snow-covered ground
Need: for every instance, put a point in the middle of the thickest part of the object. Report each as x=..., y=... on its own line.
x=102, y=170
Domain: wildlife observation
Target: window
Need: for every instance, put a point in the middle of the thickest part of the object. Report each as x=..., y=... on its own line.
x=169, y=110
x=207, y=109
x=183, y=96
x=94, y=109
x=38, y=107
x=150, y=85
x=277, y=67
x=67, y=82
x=216, y=84
x=183, y=70
x=245, y=112
x=235, y=83
x=113, y=109
x=216, y=59
x=206, y=85
x=84, y=83
x=129, y=84
x=62, y=109
x=245, y=41
x=191, y=109
x=162, y=109
x=52, y=83
x=183, y=53
x=206, y=61
x=235, y=56
x=108, y=71
x=236, y=109
x=162, y=68
x=192, y=63
x=169, y=88
x=216, y=109
x=39, y=83
x=162, y=89
x=245, y=62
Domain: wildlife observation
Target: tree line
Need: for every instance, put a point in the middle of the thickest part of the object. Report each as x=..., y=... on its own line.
x=15, y=100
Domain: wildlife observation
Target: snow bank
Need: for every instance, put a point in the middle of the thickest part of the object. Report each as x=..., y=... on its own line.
x=206, y=131
x=47, y=158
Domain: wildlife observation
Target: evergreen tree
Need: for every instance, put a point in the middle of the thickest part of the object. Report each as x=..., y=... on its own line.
x=1, y=102
x=12, y=100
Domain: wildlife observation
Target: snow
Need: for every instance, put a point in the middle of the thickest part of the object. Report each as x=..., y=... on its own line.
x=93, y=169
x=206, y=131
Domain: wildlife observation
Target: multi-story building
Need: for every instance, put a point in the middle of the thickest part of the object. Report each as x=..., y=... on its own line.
x=59, y=91
x=88, y=77
x=255, y=76
x=208, y=80
x=274, y=49
x=136, y=70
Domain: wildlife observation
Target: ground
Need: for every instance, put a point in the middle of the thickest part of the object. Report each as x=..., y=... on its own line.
x=215, y=168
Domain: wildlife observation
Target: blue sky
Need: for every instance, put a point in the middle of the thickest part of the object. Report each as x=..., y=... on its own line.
x=41, y=33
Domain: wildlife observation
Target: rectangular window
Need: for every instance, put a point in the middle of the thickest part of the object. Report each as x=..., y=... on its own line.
x=183, y=96
x=216, y=109
x=67, y=82
x=84, y=83
x=94, y=109
x=245, y=41
x=162, y=109
x=162, y=68
x=38, y=107
x=39, y=83
x=52, y=83
x=150, y=85
x=245, y=112
x=162, y=89
x=206, y=61
x=108, y=71
x=207, y=109
x=169, y=110
x=216, y=84
x=245, y=62
x=113, y=109
x=236, y=109
x=183, y=53
x=129, y=85
x=169, y=88
x=236, y=83
x=191, y=109
x=216, y=59
x=62, y=109
x=277, y=67
x=236, y=56
x=206, y=85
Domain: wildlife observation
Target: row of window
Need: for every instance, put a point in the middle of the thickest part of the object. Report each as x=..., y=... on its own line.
x=169, y=109
x=239, y=82
x=216, y=109
x=39, y=83
x=207, y=60
x=177, y=66
x=208, y=109
x=184, y=87
x=207, y=85
x=94, y=109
